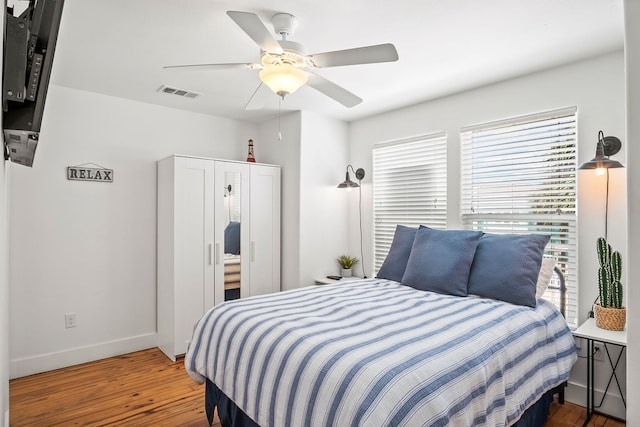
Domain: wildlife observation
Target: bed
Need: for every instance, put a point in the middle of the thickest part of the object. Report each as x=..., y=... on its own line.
x=378, y=352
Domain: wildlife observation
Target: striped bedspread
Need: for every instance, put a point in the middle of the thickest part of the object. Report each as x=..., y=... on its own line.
x=376, y=353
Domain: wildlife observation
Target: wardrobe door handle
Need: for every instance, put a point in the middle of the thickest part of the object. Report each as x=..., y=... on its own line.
x=217, y=253
x=253, y=251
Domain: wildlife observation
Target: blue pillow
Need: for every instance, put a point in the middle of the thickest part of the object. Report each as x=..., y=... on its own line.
x=506, y=267
x=440, y=260
x=232, y=238
x=396, y=261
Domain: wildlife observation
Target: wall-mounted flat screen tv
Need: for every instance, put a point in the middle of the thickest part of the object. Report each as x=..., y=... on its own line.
x=31, y=31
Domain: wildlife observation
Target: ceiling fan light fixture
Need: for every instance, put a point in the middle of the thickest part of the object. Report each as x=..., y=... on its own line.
x=283, y=79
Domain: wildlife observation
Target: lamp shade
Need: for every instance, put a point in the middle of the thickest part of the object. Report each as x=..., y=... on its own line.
x=601, y=159
x=347, y=183
x=283, y=79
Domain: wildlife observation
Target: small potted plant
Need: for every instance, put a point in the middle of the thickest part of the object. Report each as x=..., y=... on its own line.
x=609, y=312
x=346, y=262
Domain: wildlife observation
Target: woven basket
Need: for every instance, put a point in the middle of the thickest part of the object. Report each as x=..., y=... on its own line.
x=612, y=319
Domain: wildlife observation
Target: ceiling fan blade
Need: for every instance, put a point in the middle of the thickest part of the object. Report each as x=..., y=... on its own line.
x=206, y=67
x=359, y=55
x=255, y=28
x=332, y=90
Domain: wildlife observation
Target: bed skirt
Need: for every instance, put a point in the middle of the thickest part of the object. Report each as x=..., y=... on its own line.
x=232, y=416
x=228, y=412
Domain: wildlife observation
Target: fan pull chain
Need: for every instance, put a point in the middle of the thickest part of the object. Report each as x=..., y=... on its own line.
x=279, y=114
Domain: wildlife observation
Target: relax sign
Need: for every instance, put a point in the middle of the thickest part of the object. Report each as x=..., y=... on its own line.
x=78, y=173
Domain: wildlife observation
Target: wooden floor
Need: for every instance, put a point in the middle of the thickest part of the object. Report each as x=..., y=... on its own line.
x=147, y=389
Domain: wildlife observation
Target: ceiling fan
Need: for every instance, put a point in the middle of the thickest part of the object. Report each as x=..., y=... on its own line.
x=285, y=65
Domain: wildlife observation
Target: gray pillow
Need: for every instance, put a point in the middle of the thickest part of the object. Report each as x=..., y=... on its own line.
x=396, y=261
x=506, y=267
x=440, y=260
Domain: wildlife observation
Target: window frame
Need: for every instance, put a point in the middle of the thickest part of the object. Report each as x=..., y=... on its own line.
x=561, y=189
x=428, y=151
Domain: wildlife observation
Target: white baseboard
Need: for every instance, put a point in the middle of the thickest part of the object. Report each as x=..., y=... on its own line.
x=612, y=405
x=75, y=356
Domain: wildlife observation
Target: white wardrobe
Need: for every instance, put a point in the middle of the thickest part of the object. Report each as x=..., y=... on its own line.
x=218, y=239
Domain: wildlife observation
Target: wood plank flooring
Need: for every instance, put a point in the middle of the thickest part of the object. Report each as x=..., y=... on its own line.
x=147, y=389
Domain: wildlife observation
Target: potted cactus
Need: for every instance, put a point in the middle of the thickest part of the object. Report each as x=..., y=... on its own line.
x=346, y=262
x=609, y=312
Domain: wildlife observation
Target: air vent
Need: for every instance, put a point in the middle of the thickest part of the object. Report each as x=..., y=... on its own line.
x=178, y=92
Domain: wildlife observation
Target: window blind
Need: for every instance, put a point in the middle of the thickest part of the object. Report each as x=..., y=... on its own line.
x=519, y=177
x=409, y=188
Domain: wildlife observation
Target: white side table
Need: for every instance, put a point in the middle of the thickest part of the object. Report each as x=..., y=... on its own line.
x=589, y=331
x=327, y=281
x=324, y=281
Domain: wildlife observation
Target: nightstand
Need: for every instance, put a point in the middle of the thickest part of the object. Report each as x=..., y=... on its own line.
x=589, y=331
x=327, y=281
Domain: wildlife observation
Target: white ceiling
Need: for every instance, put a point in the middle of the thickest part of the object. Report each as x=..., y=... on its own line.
x=118, y=48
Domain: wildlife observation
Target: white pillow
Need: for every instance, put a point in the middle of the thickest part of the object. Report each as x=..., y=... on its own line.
x=544, y=277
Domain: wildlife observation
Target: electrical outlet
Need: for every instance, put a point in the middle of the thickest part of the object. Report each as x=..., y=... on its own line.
x=598, y=353
x=70, y=320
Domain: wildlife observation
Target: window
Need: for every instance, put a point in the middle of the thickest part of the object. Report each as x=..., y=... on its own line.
x=519, y=176
x=409, y=188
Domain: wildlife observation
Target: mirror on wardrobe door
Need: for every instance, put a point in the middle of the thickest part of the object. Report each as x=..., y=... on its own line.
x=232, y=249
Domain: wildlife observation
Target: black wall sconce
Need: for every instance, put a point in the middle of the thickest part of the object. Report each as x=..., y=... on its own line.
x=601, y=163
x=348, y=184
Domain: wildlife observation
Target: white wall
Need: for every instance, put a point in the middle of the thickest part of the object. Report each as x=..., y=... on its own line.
x=90, y=248
x=323, y=217
x=313, y=154
x=595, y=87
x=4, y=280
x=4, y=298
x=632, y=57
